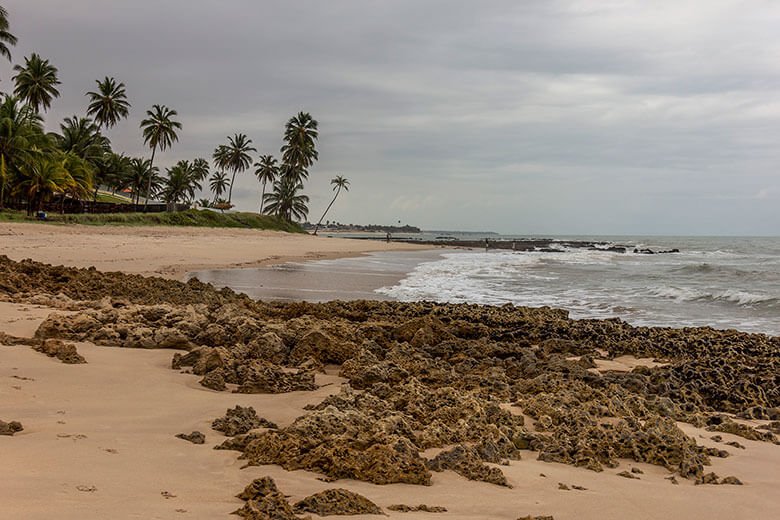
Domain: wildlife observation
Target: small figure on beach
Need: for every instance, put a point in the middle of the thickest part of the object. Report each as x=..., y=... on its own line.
x=487, y=244
x=388, y=237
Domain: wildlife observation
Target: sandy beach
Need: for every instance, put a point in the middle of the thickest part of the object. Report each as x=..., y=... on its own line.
x=99, y=438
x=172, y=251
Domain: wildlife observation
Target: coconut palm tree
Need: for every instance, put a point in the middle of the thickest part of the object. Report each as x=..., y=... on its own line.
x=219, y=184
x=266, y=171
x=142, y=173
x=285, y=202
x=82, y=137
x=339, y=183
x=42, y=176
x=109, y=104
x=81, y=175
x=300, y=135
x=159, y=131
x=21, y=136
x=6, y=38
x=200, y=170
x=179, y=186
x=234, y=156
x=36, y=82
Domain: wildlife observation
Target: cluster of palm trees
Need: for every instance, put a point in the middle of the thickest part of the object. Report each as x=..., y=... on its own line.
x=36, y=166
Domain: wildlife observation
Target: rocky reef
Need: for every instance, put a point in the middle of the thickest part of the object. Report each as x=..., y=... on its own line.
x=65, y=352
x=478, y=385
x=337, y=502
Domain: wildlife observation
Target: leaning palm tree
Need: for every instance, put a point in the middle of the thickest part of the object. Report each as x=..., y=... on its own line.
x=338, y=183
x=6, y=38
x=36, y=82
x=285, y=202
x=109, y=104
x=159, y=130
x=219, y=184
x=266, y=171
x=234, y=156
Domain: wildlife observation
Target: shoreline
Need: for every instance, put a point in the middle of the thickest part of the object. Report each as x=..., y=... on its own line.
x=525, y=410
x=171, y=251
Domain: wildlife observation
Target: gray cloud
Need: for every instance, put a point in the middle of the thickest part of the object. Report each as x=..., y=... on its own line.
x=529, y=117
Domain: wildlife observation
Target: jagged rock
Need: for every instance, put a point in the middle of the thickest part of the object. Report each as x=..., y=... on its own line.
x=337, y=502
x=260, y=377
x=422, y=508
x=240, y=420
x=269, y=347
x=530, y=517
x=264, y=502
x=466, y=462
x=9, y=428
x=708, y=478
x=194, y=437
x=732, y=481
x=214, y=381
x=626, y=474
x=65, y=352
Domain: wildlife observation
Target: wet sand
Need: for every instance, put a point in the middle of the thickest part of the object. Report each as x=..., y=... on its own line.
x=170, y=252
x=352, y=278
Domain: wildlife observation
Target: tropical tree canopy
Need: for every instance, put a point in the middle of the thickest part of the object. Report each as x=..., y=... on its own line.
x=180, y=185
x=300, y=135
x=219, y=184
x=234, y=156
x=108, y=105
x=36, y=82
x=159, y=131
x=285, y=202
x=82, y=137
x=140, y=174
x=6, y=38
x=266, y=171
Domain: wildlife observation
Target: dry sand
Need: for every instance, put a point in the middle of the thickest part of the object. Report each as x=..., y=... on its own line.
x=99, y=438
x=172, y=251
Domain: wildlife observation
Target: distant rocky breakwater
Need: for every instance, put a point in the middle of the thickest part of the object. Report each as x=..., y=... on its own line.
x=484, y=385
x=544, y=245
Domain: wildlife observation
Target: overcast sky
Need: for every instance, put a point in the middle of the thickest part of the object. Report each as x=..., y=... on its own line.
x=550, y=117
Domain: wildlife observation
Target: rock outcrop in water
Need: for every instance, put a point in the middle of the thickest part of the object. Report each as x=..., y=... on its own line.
x=482, y=384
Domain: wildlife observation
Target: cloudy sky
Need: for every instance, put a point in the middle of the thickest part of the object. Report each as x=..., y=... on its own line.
x=550, y=117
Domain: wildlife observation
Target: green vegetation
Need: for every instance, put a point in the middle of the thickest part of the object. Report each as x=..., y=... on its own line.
x=190, y=217
x=45, y=170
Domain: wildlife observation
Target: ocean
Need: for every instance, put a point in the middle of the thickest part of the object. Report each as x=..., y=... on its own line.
x=722, y=282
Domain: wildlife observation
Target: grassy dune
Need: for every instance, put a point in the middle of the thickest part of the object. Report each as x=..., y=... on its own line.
x=190, y=217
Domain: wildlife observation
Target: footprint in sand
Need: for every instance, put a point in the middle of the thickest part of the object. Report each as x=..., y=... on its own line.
x=86, y=489
x=111, y=451
x=167, y=495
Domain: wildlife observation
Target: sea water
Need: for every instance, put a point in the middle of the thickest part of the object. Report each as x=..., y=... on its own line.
x=723, y=282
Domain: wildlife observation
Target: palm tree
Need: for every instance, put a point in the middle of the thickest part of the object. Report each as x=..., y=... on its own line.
x=338, y=183
x=36, y=82
x=6, y=38
x=285, y=202
x=266, y=171
x=179, y=186
x=200, y=170
x=109, y=104
x=218, y=184
x=300, y=135
x=159, y=130
x=234, y=156
x=81, y=175
x=41, y=177
x=82, y=137
x=21, y=134
x=141, y=173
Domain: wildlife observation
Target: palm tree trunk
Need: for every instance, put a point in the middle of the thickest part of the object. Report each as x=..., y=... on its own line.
x=149, y=184
x=230, y=192
x=326, y=210
x=262, y=199
x=3, y=173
